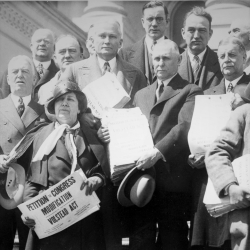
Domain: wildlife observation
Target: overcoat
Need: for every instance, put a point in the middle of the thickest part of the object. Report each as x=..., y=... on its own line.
x=12, y=130
x=87, y=233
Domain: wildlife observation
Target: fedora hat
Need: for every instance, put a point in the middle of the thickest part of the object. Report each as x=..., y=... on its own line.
x=137, y=187
x=12, y=186
x=63, y=87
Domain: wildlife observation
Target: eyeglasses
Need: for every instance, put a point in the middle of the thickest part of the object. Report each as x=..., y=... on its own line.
x=157, y=19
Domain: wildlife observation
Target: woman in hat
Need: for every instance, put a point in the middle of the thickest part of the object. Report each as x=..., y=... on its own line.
x=54, y=159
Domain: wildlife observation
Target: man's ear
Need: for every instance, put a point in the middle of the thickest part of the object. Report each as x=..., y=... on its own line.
x=120, y=44
x=8, y=79
x=179, y=60
x=210, y=33
x=183, y=33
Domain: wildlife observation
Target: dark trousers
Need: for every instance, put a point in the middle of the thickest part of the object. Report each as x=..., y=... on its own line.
x=10, y=221
x=171, y=214
x=136, y=224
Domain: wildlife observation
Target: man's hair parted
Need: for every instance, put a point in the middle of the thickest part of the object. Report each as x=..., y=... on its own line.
x=153, y=4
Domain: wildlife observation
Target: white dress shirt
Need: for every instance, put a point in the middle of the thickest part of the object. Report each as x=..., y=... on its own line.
x=234, y=82
x=15, y=98
x=149, y=42
x=112, y=64
x=191, y=57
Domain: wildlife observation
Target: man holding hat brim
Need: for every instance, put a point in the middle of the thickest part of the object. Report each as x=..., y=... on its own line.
x=55, y=157
x=19, y=113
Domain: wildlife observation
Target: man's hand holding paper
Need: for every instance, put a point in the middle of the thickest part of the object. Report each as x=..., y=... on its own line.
x=196, y=161
x=240, y=196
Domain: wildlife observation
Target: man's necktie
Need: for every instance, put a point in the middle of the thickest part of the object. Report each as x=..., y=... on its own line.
x=196, y=66
x=153, y=45
x=106, y=67
x=230, y=88
x=20, y=107
x=159, y=91
x=40, y=70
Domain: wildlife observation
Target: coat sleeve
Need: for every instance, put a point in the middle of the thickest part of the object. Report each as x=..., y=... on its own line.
x=176, y=140
x=225, y=149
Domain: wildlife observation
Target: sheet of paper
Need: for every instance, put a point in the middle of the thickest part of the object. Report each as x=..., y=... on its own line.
x=211, y=114
x=104, y=92
x=61, y=206
x=130, y=136
x=241, y=167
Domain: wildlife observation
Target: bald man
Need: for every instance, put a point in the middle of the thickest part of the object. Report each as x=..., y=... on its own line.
x=42, y=48
x=168, y=105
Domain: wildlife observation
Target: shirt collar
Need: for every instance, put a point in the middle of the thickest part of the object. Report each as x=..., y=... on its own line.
x=166, y=82
x=234, y=82
x=45, y=64
x=15, y=98
x=112, y=63
x=201, y=55
x=149, y=42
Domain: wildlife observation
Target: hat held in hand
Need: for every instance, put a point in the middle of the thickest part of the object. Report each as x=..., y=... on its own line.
x=137, y=187
x=12, y=186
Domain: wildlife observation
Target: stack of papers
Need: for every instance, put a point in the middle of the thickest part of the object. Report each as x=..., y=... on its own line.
x=130, y=137
x=105, y=92
x=216, y=206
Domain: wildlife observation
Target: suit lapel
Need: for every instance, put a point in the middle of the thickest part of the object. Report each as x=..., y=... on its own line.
x=95, y=71
x=80, y=144
x=126, y=76
x=31, y=113
x=97, y=148
x=8, y=109
x=220, y=89
x=209, y=69
x=137, y=55
x=185, y=69
x=171, y=90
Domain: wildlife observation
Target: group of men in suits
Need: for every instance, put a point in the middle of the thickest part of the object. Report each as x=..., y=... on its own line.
x=163, y=84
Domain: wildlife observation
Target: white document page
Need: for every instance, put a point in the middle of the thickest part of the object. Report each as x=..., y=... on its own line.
x=105, y=92
x=61, y=206
x=211, y=114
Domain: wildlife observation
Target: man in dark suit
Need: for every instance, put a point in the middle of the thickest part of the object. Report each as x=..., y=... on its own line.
x=42, y=48
x=119, y=222
x=18, y=114
x=155, y=22
x=199, y=63
x=232, y=58
x=168, y=105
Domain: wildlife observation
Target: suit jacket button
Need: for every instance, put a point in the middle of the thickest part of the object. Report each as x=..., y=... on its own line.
x=5, y=123
x=9, y=139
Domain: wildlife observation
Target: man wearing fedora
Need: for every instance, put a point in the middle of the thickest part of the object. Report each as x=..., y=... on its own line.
x=18, y=114
x=168, y=105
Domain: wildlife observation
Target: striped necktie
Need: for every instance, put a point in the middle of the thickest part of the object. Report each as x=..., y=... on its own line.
x=230, y=87
x=196, y=66
x=106, y=68
x=159, y=90
x=40, y=70
x=20, y=107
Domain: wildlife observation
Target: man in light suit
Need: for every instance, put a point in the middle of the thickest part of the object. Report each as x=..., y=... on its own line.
x=107, y=41
x=199, y=63
x=232, y=143
x=240, y=28
x=42, y=48
x=155, y=22
x=119, y=222
x=168, y=105
x=18, y=114
x=232, y=58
